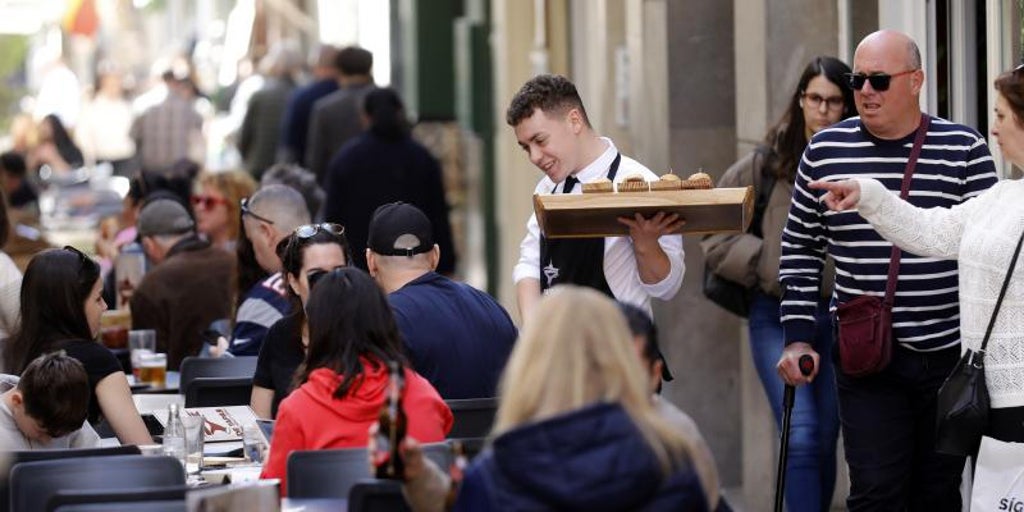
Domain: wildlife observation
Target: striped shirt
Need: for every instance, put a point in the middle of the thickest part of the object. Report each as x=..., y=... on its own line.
x=954, y=166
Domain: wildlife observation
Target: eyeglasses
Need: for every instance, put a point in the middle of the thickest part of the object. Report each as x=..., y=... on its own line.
x=814, y=101
x=879, y=81
x=207, y=202
x=314, y=276
x=310, y=230
x=249, y=212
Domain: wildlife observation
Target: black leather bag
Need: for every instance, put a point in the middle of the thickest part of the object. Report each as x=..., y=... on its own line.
x=734, y=297
x=962, y=404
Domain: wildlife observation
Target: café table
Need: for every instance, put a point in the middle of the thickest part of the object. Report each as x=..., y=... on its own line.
x=314, y=505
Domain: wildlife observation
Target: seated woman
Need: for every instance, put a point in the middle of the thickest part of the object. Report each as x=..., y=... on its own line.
x=61, y=308
x=341, y=386
x=309, y=252
x=575, y=429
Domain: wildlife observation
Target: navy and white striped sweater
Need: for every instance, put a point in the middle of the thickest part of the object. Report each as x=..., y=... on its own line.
x=954, y=166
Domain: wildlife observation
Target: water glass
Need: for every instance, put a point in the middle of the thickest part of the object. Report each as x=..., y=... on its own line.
x=193, y=442
x=252, y=440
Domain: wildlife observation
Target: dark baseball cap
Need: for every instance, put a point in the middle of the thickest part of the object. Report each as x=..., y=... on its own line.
x=400, y=229
x=164, y=217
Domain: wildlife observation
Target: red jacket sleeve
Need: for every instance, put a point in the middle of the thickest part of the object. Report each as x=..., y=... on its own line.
x=288, y=437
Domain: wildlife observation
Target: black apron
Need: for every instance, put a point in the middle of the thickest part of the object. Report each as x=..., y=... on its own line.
x=577, y=261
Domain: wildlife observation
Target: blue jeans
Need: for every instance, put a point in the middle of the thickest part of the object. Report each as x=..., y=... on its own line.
x=814, y=428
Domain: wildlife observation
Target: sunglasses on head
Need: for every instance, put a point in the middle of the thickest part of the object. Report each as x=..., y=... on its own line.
x=879, y=81
x=207, y=202
x=247, y=211
x=310, y=230
x=82, y=258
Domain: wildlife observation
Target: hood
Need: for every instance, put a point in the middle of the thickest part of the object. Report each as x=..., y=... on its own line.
x=8, y=382
x=361, y=405
x=590, y=459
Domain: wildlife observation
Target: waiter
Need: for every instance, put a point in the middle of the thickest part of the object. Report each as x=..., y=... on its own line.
x=551, y=125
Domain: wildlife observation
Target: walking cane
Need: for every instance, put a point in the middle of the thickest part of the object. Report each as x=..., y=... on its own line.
x=806, y=363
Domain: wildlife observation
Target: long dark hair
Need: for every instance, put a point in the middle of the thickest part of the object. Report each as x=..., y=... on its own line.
x=292, y=252
x=386, y=113
x=349, y=319
x=62, y=140
x=56, y=285
x=786, y=140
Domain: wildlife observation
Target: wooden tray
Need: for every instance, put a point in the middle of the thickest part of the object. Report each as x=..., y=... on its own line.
x=718, y=210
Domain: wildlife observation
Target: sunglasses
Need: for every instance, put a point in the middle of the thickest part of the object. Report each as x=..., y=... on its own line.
x=314, y=276
x=879, y=81
x=207, y=202
x=310, y=230
x=249, y=212
x=82, y=258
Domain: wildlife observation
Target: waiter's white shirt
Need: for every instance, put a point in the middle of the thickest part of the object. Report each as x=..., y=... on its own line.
x=619, y=262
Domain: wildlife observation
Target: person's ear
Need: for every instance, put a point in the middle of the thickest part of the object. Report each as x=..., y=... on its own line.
x=372, y=263
x=435, y=257
x=17, y=398
x=917, y=81
x=150, y=247
x=293, y=282
x=575, y=118
x=656, y=370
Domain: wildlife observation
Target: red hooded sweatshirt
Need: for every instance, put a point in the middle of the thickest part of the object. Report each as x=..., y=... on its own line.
x=310, y=418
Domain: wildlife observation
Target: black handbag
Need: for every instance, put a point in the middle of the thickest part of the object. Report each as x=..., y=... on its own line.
x=962, y=404
x=732, y=296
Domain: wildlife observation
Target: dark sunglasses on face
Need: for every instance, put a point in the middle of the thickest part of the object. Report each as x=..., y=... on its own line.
x=314, y=276
x=310, y=230
x=207, y=202
x=246, y=211
x=879, y=81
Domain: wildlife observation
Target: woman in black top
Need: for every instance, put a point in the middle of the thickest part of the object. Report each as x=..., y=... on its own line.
x=308, y=253
x=61, y=306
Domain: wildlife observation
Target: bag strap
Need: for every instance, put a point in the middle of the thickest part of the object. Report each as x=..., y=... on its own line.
x=894, y=256
x=1002, y=293
x=763, y=187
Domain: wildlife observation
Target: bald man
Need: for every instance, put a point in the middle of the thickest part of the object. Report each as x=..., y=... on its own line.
x=888, y=415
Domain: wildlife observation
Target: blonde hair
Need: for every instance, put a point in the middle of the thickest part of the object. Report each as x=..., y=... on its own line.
x=576, y=351
x=233, y=185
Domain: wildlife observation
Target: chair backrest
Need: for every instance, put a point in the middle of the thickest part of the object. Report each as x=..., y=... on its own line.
x=474, y=417
x=16, y=457
x=34, y=483
x=218, y=391
x=377, y=496
x=127, y=506
x=194, y=367
x=159, y=496
x=326, y=473
x=471, y=446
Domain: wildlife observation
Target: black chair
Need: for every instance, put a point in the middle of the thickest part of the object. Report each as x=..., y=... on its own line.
x=326, y=473
x=160, y=497
x=474, y=417
x=218, y=391
x=195, y=367
x=471, y=446
x=34, y=483
x=128, y=506
x=17, y=457
x=374, y=495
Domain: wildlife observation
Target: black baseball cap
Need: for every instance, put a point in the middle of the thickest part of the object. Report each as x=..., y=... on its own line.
x=400, y=229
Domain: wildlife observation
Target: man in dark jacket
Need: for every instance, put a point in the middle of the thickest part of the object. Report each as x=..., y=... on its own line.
x=335, y=118
x=456, y=336
x=295, y=125
x=188, y=288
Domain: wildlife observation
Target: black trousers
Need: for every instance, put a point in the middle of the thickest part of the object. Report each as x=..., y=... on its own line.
x=888, y=422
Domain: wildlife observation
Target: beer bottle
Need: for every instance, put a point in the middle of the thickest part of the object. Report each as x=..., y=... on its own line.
x=391, y=428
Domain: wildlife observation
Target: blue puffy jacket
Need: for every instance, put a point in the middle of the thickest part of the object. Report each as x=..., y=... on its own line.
x=592, y=459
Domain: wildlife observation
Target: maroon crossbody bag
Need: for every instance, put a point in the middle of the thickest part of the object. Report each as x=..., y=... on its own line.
x=865, y=322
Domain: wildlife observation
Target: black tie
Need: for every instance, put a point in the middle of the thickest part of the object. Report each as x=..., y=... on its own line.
x=569, y=184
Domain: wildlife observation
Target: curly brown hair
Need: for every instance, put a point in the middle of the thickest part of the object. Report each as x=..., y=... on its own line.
x=549, y=93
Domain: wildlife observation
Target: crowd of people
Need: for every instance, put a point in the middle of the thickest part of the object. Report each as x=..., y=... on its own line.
x=329, y=258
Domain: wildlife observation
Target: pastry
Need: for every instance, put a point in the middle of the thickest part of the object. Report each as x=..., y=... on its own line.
x=634, y=183
x=667, y=182
x=598, y=185
x=698, y=180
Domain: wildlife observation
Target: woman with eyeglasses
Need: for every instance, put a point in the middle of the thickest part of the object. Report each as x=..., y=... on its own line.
x=61, y=306
x=981, y=235
x=216, y=204
x=752, y=260
x=306, y=255
x=341, y=385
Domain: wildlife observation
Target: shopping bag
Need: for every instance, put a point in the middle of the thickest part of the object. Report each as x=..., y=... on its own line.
x=999, y=477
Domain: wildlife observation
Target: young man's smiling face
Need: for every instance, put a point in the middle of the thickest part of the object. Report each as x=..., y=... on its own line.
x=551, y=141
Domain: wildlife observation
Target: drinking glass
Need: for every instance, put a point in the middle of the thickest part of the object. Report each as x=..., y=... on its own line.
x=140, y=342
x=153, y=369
x=193, y=442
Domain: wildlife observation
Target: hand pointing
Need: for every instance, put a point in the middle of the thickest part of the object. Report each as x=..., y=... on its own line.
x=842, y=195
